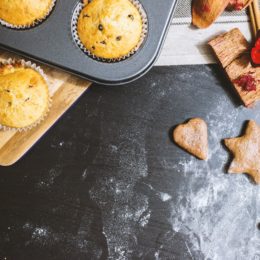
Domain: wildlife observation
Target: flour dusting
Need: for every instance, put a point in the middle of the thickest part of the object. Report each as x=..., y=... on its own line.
x=165, y=196
x=125, y=212
x=211, y=206
x=156, y=255
x=80, y=242
x=162, y=195
x=48, y=179
x=39, y=233
x=113, y=148
x=84, y=174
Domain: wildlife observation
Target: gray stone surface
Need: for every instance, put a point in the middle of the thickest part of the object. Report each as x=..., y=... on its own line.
x=107, y=182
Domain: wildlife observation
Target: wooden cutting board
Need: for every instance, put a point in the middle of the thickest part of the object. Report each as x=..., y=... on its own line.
x=65, y=89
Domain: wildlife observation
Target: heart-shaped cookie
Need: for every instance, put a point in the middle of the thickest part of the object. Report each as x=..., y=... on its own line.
x=193, y=137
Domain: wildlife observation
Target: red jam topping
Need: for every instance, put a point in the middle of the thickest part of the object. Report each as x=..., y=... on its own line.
x=237, y=4
x=247, y=82
x=206, y=8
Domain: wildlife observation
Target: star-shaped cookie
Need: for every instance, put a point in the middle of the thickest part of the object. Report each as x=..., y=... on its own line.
x=193, y=137
x=246, y=151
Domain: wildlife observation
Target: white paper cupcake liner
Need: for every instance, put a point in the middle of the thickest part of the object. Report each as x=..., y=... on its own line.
x=74, y=30
x=35, y=23
x=28, y=64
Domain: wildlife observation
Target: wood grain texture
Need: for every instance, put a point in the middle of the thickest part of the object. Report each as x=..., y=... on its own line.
x=232, y=50
x=239, y=67
x=229, y=46
x=65, y=90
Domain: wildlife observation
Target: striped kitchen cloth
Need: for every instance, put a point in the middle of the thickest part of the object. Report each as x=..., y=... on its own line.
x=182, y=14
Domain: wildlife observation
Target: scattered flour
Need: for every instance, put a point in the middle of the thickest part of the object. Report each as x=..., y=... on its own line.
x=48, y=179
x=113, y=148
x=27, y=226
x=39, y=233
x=121, y=218
x=84, y=174
x=211, y=207
x=78, y=242
x=156, y=255
x=165, y=196
x=125, y=212
x=143, y=221
x=162, y=195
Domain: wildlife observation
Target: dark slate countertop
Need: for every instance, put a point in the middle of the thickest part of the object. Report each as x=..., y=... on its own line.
x=107, y=182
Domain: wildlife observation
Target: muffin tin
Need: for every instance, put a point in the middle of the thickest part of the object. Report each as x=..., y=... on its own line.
x=51, y=42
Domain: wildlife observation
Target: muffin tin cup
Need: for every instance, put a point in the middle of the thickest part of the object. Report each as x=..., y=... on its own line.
x=35, y=23
x=61, y=51
x=78, y=42
x=29, y=64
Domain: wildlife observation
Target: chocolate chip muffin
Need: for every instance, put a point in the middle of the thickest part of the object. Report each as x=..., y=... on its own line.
x=24, y=96
x=24, y=12
x=110, y=29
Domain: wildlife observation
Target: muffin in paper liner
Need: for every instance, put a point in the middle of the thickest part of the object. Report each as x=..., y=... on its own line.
x=33, y=24
x=74, y=24
x=28, y=64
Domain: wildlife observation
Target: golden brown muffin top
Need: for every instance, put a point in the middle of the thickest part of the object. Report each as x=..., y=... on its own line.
x=24, y=96
x=110, y=29
x=24, y=12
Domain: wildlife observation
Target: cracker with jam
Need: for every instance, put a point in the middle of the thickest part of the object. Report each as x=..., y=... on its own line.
x=232, y=51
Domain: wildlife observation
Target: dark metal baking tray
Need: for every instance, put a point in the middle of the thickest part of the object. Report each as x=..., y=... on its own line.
x=52, y=43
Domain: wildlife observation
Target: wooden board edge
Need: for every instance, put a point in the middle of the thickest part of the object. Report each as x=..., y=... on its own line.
x=22, y=142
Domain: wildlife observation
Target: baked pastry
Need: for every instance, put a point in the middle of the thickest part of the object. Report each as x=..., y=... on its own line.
x=24, y=12
x=193, y=137
x=232, y=50
x=205, y=12
x=246, y=151
x=24, y=96
x=110, y=29
x=239, y=5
